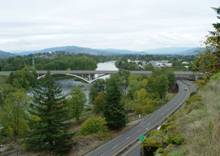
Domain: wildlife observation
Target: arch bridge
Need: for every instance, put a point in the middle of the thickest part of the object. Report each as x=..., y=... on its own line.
x=89, y=76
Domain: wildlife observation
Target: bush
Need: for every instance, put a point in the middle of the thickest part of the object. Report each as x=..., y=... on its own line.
x=176, y=139
x=93, y=125
x=215, y=76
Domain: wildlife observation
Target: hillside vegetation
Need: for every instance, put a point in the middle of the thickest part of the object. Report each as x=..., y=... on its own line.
x=194, y=130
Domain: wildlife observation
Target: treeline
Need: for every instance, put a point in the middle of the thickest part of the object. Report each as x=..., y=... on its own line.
x=49, y=62
x=134, y=93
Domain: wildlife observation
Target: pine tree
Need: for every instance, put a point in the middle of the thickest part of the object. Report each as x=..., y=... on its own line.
x=50, y=119
x=114, y=111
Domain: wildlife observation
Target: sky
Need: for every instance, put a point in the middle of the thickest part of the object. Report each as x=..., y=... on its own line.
x=122, y=24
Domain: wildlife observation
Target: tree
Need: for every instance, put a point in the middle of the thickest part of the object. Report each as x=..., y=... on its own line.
x=98, y=86
x=158, y=84
x=206, y=63
x=76, y=103
x=5, y=90
x=114, y=111
x=13, y=114
x=143, y=103
x=171, y=78
x=122, y=77
x=213, y=40
x=136, y=82
x=209, y=61
x=24, y=78
x=50, y=119
x=99, y=103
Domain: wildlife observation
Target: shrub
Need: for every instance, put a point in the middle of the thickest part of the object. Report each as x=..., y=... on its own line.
x=176, y=139
x=215, y=76
x=93, y=125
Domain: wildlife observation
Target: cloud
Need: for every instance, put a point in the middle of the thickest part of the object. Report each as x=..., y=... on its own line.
x=130, y=24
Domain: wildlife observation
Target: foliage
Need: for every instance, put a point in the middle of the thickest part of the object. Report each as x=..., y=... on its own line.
x=136, y=82
x=114, y=111
x=93, y=125
x=49, y=131
x=143, y=103
x=171, y=78
x=76, y=103
x=14, y=115
x=213, y=40
x=24, y=78
x=206, y=63
x=99, y=103
x=122, y=77
x=154, y=140
x=5, y=90
x=215, y=76
x=209, y=62
x=124, y=64
x=49, y=62
x=97, y=86
x=158, y=84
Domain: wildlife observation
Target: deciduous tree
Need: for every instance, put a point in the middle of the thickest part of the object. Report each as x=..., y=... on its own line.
x=76, y=103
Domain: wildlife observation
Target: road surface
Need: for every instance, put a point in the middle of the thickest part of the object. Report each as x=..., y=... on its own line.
x=122, y=143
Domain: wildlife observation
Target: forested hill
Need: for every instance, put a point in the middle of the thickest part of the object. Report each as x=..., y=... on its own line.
x=54, y=62
x=4, y=54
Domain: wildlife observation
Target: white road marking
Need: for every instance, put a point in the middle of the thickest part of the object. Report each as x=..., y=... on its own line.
x=114, y=146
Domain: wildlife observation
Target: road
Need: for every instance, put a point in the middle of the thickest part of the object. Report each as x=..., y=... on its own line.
x=122, y=143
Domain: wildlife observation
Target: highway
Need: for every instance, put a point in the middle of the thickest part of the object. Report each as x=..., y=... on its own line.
x=122, y=145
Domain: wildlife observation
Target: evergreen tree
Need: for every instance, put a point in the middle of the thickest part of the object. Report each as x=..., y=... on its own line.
x=49, y=128
x=114, y=111
x=213, y=40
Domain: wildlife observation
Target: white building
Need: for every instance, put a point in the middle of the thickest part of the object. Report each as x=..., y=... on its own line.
x=161, y=64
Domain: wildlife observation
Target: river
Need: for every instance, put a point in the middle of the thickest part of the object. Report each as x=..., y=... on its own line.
x=68, y=84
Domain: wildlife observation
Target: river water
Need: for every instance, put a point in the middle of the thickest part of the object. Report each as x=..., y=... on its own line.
x=68, y=84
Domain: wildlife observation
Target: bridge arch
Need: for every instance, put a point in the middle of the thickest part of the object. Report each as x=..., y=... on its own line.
x=76, y=76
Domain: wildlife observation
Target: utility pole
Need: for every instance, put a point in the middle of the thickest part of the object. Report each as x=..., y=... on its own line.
x=33, y=63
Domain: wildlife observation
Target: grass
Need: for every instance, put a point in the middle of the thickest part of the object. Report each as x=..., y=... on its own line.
x=199, y=122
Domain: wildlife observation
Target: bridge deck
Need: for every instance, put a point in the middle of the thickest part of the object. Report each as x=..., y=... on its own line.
x=6, y=73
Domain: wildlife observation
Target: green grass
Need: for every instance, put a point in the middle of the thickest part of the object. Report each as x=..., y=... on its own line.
x=199, y=122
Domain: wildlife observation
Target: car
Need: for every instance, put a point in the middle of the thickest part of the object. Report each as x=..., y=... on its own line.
x=185, y=89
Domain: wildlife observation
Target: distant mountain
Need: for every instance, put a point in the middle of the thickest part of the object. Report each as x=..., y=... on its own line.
x=175, y=51
x=80, y=50
x=106, y=52
x=4, y=54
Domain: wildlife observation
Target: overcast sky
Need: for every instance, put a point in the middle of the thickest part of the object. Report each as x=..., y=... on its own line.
x=124, y=24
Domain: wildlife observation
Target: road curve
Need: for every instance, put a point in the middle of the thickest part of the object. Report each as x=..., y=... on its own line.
x=119, y=144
